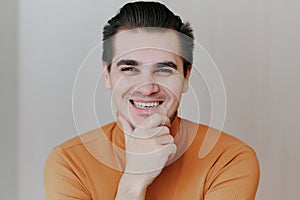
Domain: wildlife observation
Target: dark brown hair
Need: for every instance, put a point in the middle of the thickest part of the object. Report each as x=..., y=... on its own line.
x=148, y=14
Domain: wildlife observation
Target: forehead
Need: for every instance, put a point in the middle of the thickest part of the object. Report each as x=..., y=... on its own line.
x=143, y=39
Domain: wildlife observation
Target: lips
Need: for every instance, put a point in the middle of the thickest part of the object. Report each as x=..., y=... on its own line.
x=145, y=105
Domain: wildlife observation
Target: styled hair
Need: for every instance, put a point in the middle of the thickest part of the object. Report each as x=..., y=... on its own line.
x=148, y=14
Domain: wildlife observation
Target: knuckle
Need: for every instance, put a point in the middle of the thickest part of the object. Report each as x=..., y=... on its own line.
x=164, y=129
x=173, y=147
x=171, y=138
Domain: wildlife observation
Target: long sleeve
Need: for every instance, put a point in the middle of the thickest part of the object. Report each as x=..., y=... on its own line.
x=84, y=168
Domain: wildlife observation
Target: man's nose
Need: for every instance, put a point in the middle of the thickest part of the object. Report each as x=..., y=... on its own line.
x=147, y=86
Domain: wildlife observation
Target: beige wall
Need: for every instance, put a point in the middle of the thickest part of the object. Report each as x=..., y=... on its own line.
x=254, y=43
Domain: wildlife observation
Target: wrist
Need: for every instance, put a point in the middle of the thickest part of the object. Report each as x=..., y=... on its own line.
x=131, y=187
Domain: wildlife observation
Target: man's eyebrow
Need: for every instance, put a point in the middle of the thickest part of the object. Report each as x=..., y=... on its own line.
x=166, y=64
x=128, y=62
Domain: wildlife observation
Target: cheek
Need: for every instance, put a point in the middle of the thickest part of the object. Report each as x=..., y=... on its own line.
x=121, y=85
x=173, y=86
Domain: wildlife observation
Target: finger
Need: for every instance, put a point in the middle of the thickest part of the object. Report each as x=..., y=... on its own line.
x=125, y=124
x=161, y=130
x=150, y=132
x=155, y=120
x=165, y=139
x=170, y=150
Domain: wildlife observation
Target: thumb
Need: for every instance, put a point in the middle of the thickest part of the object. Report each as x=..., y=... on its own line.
x=125, y=124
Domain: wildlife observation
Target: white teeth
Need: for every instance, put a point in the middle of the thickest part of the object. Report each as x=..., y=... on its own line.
x=145, y=105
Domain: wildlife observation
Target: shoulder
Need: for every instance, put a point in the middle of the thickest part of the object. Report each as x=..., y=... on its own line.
x=227, y=162
x=218, y=148
x=76, y=153
x=79, y=147
x=86, y=137
x=67, y=166
x=212, y=140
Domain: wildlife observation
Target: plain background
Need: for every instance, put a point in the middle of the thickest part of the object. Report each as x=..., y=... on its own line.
x=255, y=44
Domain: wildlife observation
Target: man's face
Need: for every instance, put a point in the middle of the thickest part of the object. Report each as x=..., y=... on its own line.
x=146, y=74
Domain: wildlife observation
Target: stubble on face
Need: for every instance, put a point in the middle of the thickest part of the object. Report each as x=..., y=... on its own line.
x=140, y=90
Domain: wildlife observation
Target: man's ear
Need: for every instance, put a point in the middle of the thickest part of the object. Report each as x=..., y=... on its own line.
x=187, y=79
x=106, y=75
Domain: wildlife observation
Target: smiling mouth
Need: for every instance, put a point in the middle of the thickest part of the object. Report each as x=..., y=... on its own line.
x=145, y=105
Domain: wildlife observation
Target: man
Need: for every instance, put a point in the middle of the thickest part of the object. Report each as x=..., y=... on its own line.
x=150, y=153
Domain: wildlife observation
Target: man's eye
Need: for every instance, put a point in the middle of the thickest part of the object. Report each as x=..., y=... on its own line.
x=128, y=69
x=164, y=71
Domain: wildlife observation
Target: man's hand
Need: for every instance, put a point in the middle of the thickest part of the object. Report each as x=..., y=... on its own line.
x=148, y=148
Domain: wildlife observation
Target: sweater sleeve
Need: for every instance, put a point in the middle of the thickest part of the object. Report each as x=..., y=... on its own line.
x=61, y=181
x=235, y=177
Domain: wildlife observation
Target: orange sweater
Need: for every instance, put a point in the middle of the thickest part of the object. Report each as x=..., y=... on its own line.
x=90, y=166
